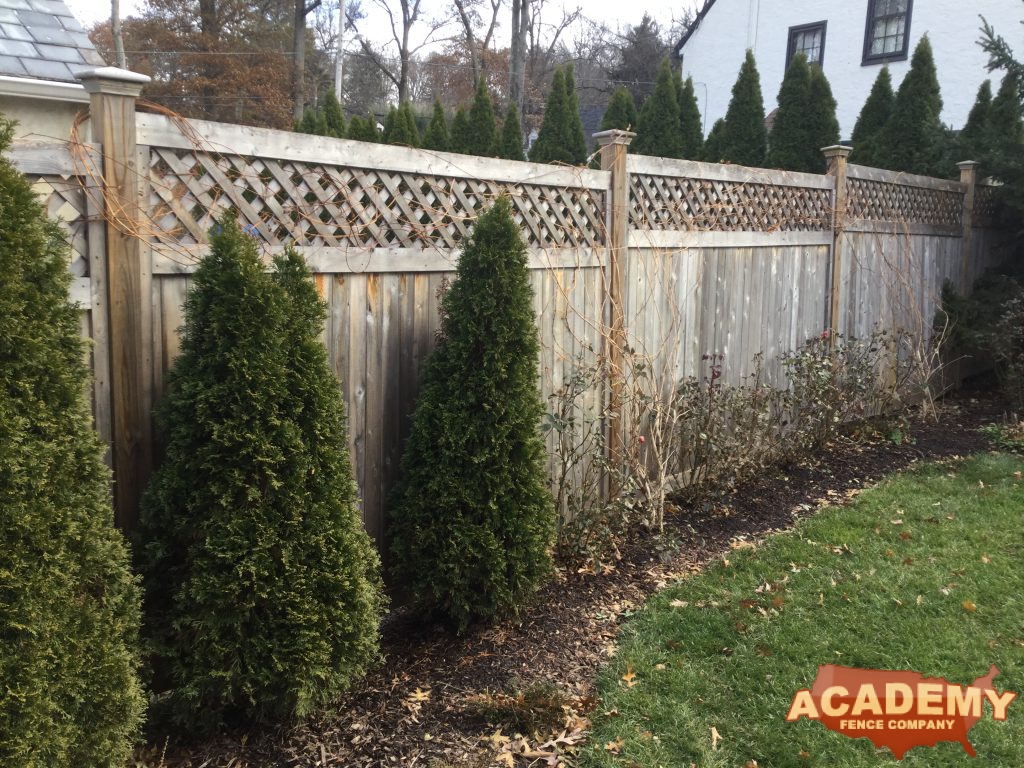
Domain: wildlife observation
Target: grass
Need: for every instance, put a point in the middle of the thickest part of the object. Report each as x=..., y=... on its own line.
x=923, y=573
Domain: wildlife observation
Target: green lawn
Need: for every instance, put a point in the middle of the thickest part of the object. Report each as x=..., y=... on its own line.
x=923, y=573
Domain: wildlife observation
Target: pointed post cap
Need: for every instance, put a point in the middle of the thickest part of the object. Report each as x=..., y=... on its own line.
x=120, y=82
x=614, y=136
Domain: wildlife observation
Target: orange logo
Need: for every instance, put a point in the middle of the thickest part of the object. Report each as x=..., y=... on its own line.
x=898, y=710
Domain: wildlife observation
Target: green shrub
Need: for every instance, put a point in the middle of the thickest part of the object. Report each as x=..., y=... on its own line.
x=621, y=112
x=262, y=588
x=790, y=137
x=460, y=139
x=973, y=138
x=872, y=118
x=1006, y=340
x=69, y=604
x=333, y=116
x=436, y=137
x=551, y=145
x=744, y=138
x=471, y=520
x=481, y=130
x=575, y=139
x=511, y=145
x=712, y=151
x=1007, y=437
x=689, y=118
x=658, y=126
x=822, y=124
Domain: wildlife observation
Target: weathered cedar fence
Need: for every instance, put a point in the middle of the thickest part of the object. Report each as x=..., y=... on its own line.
x=671, y=257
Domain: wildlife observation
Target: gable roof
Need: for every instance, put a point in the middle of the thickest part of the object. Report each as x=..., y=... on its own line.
x=693, y=27
x=42, y=39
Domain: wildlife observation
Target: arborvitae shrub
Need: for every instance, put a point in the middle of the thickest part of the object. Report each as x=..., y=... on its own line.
x=822, y=123
x=308, y=122
x=712, y=150
x=364, y=129
x=482, y=131
x=262, y=587
x=400, y=127
x=913, y=137
x=1005, y=129
x=690, y=121
x=658, y=126
x=744, y=138
x=550, y=146
x=405, y=112
x=790, y=137
x=973, y=138
x=69, y=604
x=460, y=131
x=873, y=116
x=333, y=116
x=511, y=147
x=436, y=136
x=575, y=138
x=472, y=522
x=621, y=112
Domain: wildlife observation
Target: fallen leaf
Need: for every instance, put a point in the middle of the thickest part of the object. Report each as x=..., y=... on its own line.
x=630, y=676
x=679, y=604
x=614, y=746
x=969, y=606
x=920, y=599
x=897, y=521
x=506, y=759
x=986, y=559
x=803, y=754
x=778, y=601
x=750, y=764
x=418, y=696
x=715, y=737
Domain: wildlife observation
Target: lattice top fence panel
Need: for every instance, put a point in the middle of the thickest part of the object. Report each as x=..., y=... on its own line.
x=291, y=189
x=64, y=199
x=884, y=196
x=984, y=205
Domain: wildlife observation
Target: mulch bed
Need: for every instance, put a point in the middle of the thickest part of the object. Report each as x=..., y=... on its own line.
x=421, y=707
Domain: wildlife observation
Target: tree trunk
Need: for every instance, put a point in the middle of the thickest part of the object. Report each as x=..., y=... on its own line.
x=299, y=68
x=517, y=63
x=115, y=30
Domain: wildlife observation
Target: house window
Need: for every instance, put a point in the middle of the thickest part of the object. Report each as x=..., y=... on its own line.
x=808, y=39
x=888, y=30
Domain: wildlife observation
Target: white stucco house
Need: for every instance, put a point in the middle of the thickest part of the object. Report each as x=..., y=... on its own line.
x=851, y=40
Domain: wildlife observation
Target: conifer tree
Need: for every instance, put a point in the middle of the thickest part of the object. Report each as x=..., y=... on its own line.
x=744, y=138
x=308, y=122
x=973, y=139
x=364, y=129
x=396, y=128
x=320, y=124
x=333, y=116
x=658, y=126
x=621, y=112
x=436, y=136
x=550, y=146
x=712, y=151
x=511, y=136
x=472, y=521
x=1005, y=129
x=575, y=138
x=788, y=146
x=912, y=138
x=405, y=112
x=822, y=123
x=460, y=131
x=691, y=130
x=873, y=116
x=262, y=591
x=481, y=131
x=69, y=604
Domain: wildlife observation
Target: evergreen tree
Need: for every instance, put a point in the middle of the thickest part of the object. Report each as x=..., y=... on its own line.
x=472, y=521
x=436, y=136
x=511, y=136
x=320, y=124
x=973, y=136
x=481, y=131
x=308, y=122
x=262, y=588
x=913, y=137
x=873, y=116
x=333, y=116
x=405, y=112
x=712, y=151
x=822, y=123
x=658, y=126
x=396, y=128
x=69, y=604
x=744, y=137
x=691, y=129
x=460, y=131
x=550, y=146
x=1004, y=124
x=788, y=147
x=621, y=111
x=576, y=140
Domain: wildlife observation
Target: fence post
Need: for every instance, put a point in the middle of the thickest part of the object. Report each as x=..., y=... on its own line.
x=112, y=96
x=837, y=156
x=969, y=178
x=614, y=148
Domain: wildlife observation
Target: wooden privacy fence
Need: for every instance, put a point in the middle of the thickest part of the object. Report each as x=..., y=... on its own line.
x=673, y=258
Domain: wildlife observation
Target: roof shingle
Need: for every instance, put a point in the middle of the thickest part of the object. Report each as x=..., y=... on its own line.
x=42, y=39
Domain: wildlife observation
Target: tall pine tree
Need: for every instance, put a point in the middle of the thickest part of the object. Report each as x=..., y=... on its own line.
x=621, y=111
x=333, y=116
x=482, y=131
x=550, y=146
x=263, y=597
x=744, y=138
x=973, y=139
x=575, y=138
x=658, y=126
x=436, y=136
x=472, y=522
x=460, y=131
x=913, y=137
x=364, y=129
x=511, y=145
x=405, y=112
x=790, y=136
x=397, y=129
x=69, y=603
x=872, y=119
x=691, y=127
x=822, y=124
x=712, y=151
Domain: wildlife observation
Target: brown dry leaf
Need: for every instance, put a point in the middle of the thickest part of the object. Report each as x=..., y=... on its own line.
x=715, y=737
x=897, y=521
x=778, y=601
x=920, y=599
x=803, y=754
x=418, y=696
x=750, y=764
x=679, y=604
x=506, y=759
x=986, y=559
x=969, y=606
x=630, y=677
x=906, y=535
x=614, y=746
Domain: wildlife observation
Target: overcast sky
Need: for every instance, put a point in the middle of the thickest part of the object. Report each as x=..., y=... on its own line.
x=615, y=13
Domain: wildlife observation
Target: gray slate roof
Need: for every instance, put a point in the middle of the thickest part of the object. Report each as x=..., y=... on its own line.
x=42, y=39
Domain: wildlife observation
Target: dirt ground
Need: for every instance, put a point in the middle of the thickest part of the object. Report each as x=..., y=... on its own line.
x=438, y=700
